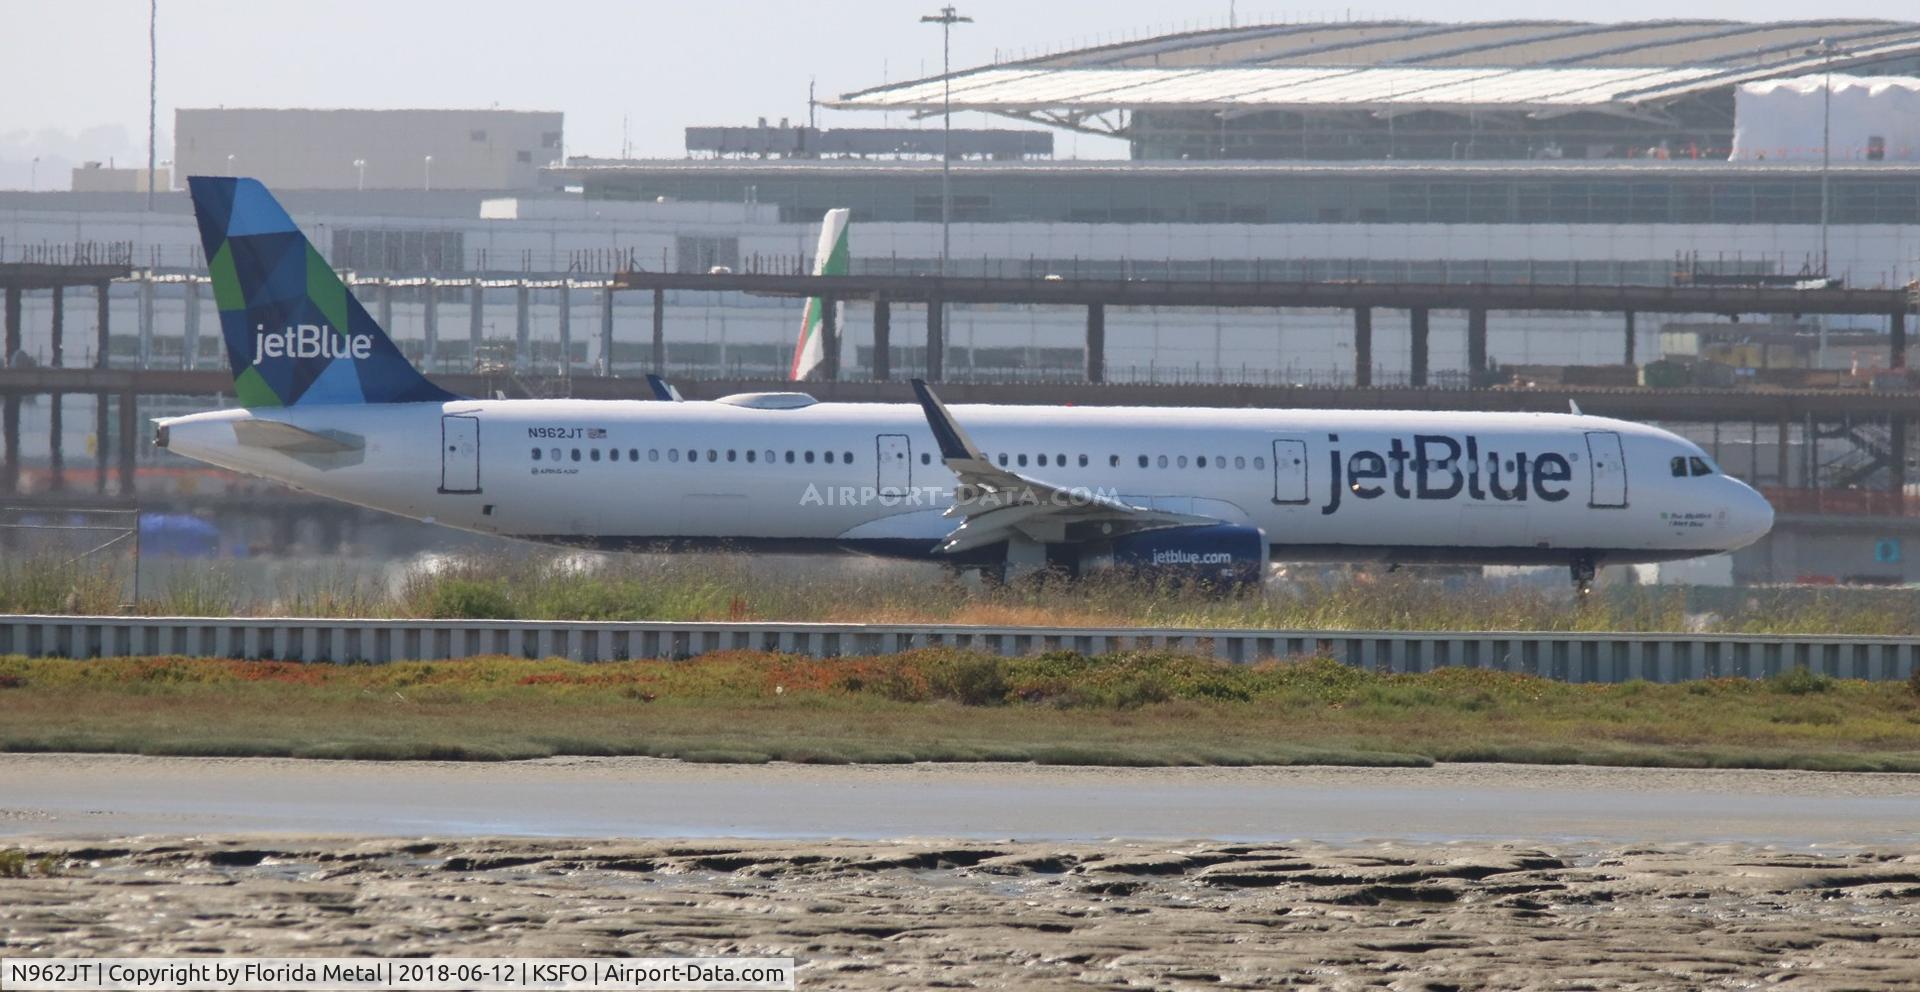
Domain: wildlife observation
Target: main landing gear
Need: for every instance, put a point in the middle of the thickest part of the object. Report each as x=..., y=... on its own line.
x=1583, y=569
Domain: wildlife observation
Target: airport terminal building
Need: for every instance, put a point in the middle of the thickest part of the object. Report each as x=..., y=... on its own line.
x=1515, y=152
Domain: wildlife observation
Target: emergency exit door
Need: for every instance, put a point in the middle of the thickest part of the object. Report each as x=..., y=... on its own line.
x=894, y=458
x=459, y=454
x=1289, y=471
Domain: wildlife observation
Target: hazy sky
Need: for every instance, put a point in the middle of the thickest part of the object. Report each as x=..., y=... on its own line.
x=75, y=71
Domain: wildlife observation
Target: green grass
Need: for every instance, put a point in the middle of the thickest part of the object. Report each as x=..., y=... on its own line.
x=1137, y=708
x=542, y=585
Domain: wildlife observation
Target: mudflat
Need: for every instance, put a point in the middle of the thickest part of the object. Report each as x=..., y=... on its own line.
x=974, y=914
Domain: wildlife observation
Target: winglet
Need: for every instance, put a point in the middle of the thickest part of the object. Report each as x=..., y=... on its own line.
x=954, y=443
x=662, y=389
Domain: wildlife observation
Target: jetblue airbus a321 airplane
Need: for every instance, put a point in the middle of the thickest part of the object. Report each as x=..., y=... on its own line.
x=329, y=405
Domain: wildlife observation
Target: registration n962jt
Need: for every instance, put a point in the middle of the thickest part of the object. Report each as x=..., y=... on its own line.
x=49, y=972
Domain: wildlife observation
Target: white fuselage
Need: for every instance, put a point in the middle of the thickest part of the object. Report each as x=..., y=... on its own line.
x=1328, y=485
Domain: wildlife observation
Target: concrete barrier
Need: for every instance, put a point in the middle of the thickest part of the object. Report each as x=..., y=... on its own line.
x=1583, y=657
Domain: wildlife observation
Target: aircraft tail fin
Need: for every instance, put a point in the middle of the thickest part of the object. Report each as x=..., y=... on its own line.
x=294, y=333
x=829, y=259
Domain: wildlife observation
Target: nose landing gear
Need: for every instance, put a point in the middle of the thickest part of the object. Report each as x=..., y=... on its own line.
x=1583, y=569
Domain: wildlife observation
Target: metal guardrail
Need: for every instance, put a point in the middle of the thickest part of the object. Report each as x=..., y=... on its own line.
x=1574, y=657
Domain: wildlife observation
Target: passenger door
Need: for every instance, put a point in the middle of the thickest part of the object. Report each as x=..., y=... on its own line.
x=1289, y=471
x=894, y=464
x=1609, y=470
x=459, y=454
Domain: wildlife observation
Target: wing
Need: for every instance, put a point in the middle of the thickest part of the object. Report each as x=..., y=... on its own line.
x=662, y=389
x=997, y=504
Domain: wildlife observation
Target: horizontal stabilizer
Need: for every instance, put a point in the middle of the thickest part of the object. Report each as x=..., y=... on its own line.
x=294, y=440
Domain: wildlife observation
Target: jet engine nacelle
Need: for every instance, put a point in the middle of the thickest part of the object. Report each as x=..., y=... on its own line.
x=1218, y=554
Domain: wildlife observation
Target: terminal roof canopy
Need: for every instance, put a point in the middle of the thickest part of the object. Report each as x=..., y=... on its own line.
x=1542, y=68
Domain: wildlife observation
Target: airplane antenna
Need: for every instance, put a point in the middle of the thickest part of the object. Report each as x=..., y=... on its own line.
x=1574, y=405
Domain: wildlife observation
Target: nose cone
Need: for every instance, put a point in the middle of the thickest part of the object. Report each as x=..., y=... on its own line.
x=1749, y=515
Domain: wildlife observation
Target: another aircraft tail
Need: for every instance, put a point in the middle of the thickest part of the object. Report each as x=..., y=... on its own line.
x=830, y=259
x=294, y=333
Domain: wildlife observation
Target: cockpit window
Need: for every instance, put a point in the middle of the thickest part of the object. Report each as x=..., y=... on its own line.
x=1679, y=466
x=1699, y=465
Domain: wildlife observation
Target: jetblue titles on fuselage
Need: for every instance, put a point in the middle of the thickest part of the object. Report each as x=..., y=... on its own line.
x=1445, y=467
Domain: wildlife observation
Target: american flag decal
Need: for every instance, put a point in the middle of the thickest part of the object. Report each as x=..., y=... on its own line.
x=596, y=433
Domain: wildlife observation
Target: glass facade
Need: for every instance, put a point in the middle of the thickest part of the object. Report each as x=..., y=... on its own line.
x=1365, y=194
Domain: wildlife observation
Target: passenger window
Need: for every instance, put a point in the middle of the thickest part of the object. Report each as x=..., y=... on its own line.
x=593, y=454
x=553, y=454
x=846, y=458
x=1083, y=461
x=536, y=454
x=1239, y=461
x=1160, y=462
x=653, y=454
x=1113, y=461
x=1200, y=461
x=926, y=459
x=1181, y=461
x=1220, y=461
x=731, y=454
x=789, y=458
x=613, y=454
x=1022, y=461
x=809, y=457
x=1042, y=460
x=712, y=455
x=1003, y=459
x=576, y=454
x=1678, y=466
x=1259, y=462
x=829, y=456
x=673, y=454
x=769, y=456
x=750, y=455
x=1700, y=466
x=1061, y=460
x=633, y=454
x=1143, y=461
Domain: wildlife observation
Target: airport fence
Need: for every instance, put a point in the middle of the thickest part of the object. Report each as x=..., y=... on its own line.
x=1573, y=657
x=88, y=555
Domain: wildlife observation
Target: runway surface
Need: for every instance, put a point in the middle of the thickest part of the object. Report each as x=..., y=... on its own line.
x=103, y=795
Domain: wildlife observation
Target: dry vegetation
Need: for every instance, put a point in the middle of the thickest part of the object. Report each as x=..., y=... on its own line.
x=1139, y=708
x=542, y=585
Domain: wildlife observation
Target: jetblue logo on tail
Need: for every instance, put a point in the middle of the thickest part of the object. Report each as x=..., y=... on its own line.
x=308, y=341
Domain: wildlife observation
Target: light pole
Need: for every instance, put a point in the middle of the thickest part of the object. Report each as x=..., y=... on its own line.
x=947, y=18
x=429, y=175
x=229, y=163
x=153, y=88
x=360, y=166
x=1826, y=51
